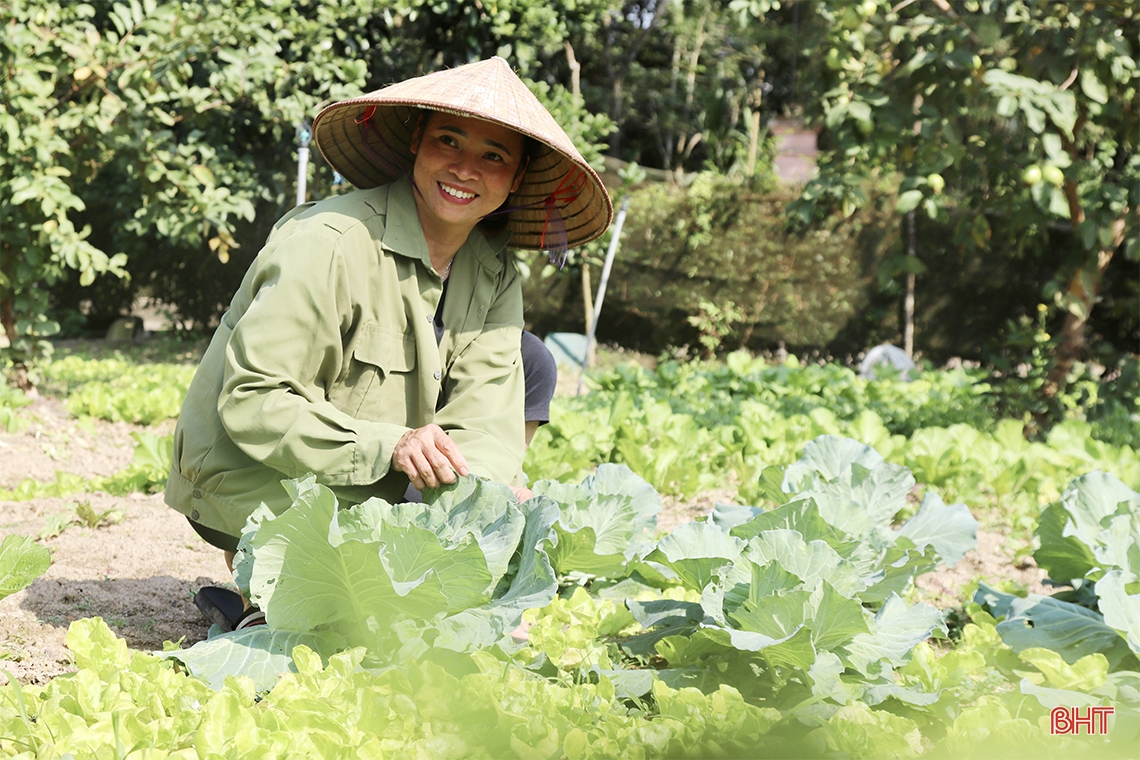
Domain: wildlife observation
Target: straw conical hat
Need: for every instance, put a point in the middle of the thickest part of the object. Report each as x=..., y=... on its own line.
x=489, y=90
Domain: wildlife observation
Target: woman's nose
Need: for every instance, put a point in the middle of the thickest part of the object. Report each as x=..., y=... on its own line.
x=463, y=166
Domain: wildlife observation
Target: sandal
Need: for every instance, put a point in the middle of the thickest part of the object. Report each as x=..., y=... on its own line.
x=226, y=609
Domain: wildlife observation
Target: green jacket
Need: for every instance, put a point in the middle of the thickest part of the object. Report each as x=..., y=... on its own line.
x=328, y=355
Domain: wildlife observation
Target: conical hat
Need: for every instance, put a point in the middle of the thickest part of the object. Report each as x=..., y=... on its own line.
x=367, y=139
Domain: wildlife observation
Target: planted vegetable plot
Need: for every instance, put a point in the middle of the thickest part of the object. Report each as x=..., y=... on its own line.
x=752, y=633
x=786, y=624
x=689, y=428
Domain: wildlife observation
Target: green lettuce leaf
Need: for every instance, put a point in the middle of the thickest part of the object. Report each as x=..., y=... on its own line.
x=455, y=572
x=1094, y=528
x=951, y=530
x=697, y=552
x=1069, y=629
x=1121, y=610
x=896, y=630
x=532, y=586
x=810, y=561
x=605, y=521
x=259, y=653
x=21, y=562
x=862, y=501
x=828, y=458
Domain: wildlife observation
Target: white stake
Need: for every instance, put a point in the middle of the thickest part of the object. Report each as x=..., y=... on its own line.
x=602, y=288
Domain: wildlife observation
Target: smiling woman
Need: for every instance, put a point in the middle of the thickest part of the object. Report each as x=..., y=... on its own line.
x=377, y=341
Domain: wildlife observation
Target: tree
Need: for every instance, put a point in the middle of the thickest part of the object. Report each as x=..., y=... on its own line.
x=1010, y=111
x=145, y=111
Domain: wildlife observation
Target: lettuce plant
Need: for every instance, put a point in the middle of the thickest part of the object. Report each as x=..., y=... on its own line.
x=1089, y=540
x=21, y=562
x=453, y=573
x=803, y=604
x=603, y=523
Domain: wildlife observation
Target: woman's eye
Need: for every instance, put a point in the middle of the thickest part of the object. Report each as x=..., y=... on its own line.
x=493, y=157
x=448, y=140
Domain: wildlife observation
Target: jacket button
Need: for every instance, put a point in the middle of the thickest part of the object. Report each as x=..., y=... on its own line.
x=431, y=317
x=194, y=515
x=197, y=494
x=437, y=375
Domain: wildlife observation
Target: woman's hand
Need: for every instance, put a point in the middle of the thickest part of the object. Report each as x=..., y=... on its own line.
x=428, y=457
x=522, y=493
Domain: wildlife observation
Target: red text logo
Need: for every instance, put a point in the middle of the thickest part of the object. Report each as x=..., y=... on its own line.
x=1070, y=720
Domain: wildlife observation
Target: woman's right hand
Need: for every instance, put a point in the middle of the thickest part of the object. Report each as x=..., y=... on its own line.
x=428, y=457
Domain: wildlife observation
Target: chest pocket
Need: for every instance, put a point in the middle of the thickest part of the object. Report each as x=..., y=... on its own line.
x=382, y=377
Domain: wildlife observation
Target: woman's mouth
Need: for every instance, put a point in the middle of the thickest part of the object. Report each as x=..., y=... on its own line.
x=456, y=193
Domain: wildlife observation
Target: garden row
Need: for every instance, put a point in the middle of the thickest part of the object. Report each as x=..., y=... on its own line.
x=786, y=632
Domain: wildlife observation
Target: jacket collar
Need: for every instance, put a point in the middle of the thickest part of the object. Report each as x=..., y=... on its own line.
x=403, y=234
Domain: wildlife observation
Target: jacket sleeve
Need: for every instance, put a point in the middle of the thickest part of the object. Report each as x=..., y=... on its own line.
x=286, y=351
x=486, y=390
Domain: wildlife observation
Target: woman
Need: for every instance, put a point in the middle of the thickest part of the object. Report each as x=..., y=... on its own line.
x=375, y=340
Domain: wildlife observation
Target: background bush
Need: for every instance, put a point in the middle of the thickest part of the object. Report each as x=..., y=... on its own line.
x=834, y=289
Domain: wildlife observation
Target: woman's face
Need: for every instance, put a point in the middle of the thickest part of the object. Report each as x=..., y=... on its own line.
x=465, y=168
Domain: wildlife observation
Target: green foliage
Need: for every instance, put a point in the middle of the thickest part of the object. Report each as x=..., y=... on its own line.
x=1094, y=529
x=1088, y=540
x=715, y=323
x=720, y=242
x=1017, y=115
x=602, y=523
x=11, y=400
x=462, y=566
x=21, y=562
x=775, y=634
x=112, y=117
x=55, y=525
x=82, y=514
x=695, y=427
x=120, y=390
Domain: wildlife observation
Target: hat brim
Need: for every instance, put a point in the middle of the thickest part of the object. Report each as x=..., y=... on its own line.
x=367, y=141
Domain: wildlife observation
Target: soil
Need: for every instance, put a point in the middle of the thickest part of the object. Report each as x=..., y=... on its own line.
x=139, y=572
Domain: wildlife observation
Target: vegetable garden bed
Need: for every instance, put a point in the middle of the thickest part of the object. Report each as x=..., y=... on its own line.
x=823, y=625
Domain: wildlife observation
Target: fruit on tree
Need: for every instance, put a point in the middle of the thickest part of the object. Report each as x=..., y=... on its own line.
x=1053, y=175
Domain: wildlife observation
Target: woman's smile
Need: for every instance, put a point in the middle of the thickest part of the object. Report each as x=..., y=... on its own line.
x=461, y=196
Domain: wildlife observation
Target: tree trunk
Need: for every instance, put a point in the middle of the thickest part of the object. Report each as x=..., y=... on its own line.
x=1082, y=291
x=575, y=71
x=616, y=110
x=756, y=100
x=694, y=60
x=675, y=73
x=8, y=319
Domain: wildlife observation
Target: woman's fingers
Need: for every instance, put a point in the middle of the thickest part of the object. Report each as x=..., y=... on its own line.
x=423, y=469
x=445, y=446
x=428, y=457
